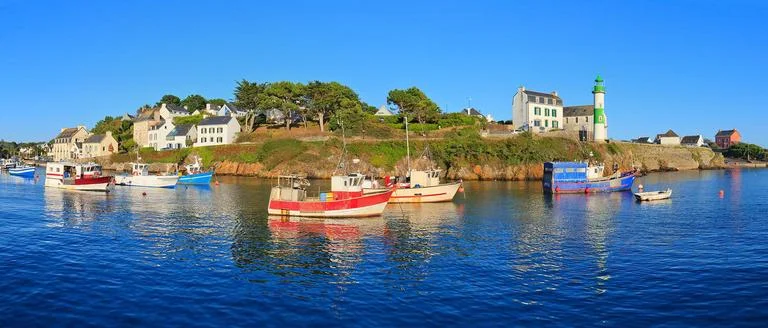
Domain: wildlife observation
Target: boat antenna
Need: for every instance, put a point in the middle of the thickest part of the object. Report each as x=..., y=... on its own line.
x=343, y=148
x=407, y=145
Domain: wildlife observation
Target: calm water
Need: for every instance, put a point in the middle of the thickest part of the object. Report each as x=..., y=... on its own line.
x=504, y=255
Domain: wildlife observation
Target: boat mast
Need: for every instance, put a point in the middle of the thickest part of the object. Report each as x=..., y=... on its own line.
x=407, y=146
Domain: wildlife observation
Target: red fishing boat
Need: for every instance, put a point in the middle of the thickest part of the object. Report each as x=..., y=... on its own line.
x=72, y=176
x=345, y=200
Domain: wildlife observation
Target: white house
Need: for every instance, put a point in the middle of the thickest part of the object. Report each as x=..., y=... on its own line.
x=157, y=134
x=217, y=130
x=643, y=140
x=230, y=109
x=383, y=111
x=692, y=141
x=182, y=136
x=537, y=111
x=668, y=138
x=169, y=111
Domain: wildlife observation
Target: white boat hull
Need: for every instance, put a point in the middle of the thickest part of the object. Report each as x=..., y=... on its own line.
x=433, y=194
x=150, y=181
x=55, y=183
x=653, y=195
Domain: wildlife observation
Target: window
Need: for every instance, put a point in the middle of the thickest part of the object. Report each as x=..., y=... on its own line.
x=555, y=124
x=536, y=123
x=203, y=139
x=546, y=123
x=587, y=118
x=219, y=140
x=577, y=120
x=536, y=111
x=554, y=112
x=541, y=100
x=546, y=111
x=549, y=101
x=203, y=131
x=220, y=130
x=566, y=120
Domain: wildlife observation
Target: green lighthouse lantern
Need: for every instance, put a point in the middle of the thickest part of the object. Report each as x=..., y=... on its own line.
x=599, y=86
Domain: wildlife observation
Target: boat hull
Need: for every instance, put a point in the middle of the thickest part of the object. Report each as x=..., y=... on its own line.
x=148, y=181
x=653, y=195
x=363, y=206
x=622, y=183
x=196, y=179
x=102, y=184
x=25, y=172
x=432, y=194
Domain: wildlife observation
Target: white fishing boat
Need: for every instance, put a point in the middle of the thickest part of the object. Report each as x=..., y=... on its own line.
x=653, y=195
x=73, y=176
x=140, y=177
x=419, y=186
x=7, y=164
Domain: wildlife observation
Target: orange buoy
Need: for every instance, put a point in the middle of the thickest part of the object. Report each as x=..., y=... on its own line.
x=216, y=183
x=721, y=193
x=586, y=190
x=557, y=189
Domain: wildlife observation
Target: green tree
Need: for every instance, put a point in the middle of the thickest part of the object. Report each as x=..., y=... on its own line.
x=248, y=94
x=193, y=103
x=325, y=98
x=285, y=96
x=368, y=109
x=413, y=103
x=217, y=101
x=169, y=99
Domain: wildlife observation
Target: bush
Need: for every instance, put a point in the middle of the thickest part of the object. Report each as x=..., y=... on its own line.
x=456, y=119
x=274, y=152
x=192, y=119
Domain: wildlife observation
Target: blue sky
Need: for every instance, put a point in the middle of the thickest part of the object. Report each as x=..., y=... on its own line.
x=692, y=66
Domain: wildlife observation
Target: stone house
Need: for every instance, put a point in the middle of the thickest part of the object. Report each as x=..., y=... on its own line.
x=537, y=111
x=68, y=144
x=100, y=145
x=217, y=130
x=692, y=141
x=668, y=138
x=727, y=138
x=580, y=119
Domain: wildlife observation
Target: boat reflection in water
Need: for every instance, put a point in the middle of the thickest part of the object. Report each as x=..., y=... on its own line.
x=75, y=208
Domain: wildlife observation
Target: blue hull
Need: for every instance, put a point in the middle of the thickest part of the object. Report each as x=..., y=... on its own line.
x=28, y=172
x=197, y=179
x=622, y=183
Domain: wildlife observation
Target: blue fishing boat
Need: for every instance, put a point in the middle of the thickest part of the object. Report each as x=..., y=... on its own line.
x=578, y=177
x=195, y=175
x=23, y=171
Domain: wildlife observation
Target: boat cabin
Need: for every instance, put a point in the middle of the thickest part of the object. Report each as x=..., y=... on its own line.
x=426, y=178
x=139, y=169
x=72, y=171
x=565, y=171
x=290, y=188
x=347, y=183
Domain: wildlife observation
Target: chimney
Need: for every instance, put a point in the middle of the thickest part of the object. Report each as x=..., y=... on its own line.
x=208, y=106
x=109, y=133
x=521, y=89
x=81, y=127
x=186, y=107
x=554, y=93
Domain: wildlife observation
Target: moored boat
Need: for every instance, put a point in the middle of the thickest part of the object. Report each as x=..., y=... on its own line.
x=578, y=177
x=140, y=177
x=7, y=164
x=73, y=176
x=422, y=186
x=195, y=175
x=653, y=195
x=346, y=199
x=22, y=171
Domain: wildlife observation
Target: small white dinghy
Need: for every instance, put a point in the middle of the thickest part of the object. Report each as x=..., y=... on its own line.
x=653, y=195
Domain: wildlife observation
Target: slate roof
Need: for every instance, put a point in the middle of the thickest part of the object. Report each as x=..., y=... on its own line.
x=690, y=140
x=216, y=120
x=234, y=108
x=643, y=140
x=176, y=109
x=181, y=130
x=96, y=138
x=472, y=112
x=669, y=133
x=585, y=110
x=67, y=133
x=540, y=94
x=725, y=133
x=146, y=115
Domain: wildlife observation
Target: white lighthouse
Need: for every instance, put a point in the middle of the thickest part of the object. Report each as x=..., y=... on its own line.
x=600, y=121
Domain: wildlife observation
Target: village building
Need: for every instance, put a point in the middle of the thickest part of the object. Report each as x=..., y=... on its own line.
x=157, y=134
x=100, y=145
x=383, y=111
x=668, y=138
x=141, y=125
x=230, y=109
x=727, y=138
x=169, y=111
x=537, y=111
x=182, y=136
x=217, y=130
x=471, y=111
x=692, y=141
x=580, y=119
x=68, y=144
x=643, y=140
